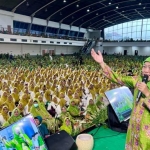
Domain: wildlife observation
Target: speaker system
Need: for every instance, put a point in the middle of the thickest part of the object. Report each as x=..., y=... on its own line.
x=60, y=141
x=113, y=122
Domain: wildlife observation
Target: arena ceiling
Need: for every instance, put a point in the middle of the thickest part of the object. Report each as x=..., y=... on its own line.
x=95, y=14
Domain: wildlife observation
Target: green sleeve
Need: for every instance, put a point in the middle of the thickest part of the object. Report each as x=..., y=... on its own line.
x=33, y=112
x=6, y=124
x=27, y=140
x=10, y=144
x=73, y=111
x=122, y=80
x=67, y=129
x=40, y=140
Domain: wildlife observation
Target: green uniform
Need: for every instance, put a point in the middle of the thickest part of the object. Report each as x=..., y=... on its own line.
x=19, y=142
x=67, y=128
x=13, y=118
x=41, y=111
x=138, y=134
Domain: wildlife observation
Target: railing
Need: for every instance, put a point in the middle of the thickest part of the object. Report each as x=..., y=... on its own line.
x=24, y=32
x=127, y=40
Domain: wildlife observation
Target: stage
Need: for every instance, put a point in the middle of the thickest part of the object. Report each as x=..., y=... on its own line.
x=104, y=139
x=107, y=139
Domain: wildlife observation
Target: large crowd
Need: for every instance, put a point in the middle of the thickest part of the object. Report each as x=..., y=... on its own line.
x=63, y=93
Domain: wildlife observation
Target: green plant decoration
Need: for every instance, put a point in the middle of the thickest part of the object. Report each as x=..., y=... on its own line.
x=99, y=117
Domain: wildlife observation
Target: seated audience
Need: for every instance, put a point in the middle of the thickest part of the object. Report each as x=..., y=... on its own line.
x=4, y=116
x=41, y=126
x=66, y=126
x=15, y=116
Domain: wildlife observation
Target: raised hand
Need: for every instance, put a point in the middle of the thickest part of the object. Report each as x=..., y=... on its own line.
x=97, y=57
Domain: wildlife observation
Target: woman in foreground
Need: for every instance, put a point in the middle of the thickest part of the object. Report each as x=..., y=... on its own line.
x=138, y=134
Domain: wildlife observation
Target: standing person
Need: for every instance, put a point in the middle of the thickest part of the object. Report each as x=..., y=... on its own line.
x=138, y=134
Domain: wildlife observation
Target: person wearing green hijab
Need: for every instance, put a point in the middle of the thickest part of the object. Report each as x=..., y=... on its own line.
x=64, y=114
x=74, y=110
x=138, y=134
x=20, y=140
x=92, y=108
x=67, y=126
x=15, y=116
x=38, y=110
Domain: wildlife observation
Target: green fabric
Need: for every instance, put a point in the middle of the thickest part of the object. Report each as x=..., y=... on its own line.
x=99, y=102
x=41, y=111
x=138, y=135
x=67, y=128
x=92, y=109
x=107, y=139
x=74, y=110
x=147, y=60
x=63, y=115
x=42, y=127
x=41, y=143
x=19, y=142
x=13, y=118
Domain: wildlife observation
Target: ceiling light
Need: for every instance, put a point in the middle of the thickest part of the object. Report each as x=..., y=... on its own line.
x=117, y=7
x=139, y=3
x=123, y=11
x=77, y=5
x=64, y=1
x=109, y=3
x=27, y=4
x=88, y=10
x=143, y=7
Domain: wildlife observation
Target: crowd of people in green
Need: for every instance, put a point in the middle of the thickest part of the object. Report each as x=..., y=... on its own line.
x=61, y=92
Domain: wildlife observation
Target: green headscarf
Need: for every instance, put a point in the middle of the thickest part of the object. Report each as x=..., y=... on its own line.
x=13, y=118
x=92, y=108
x=73, y=110
x=20, y=140
x=67, y=128
x=140, y=78
x=146, y=60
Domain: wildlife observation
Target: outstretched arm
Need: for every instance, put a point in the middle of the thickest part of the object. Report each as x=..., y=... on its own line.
x=122, y=80
x=98, y=57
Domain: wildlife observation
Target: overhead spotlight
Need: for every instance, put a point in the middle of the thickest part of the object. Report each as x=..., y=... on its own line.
x=77, y=5
x=64, y=1
x=117, y=7
x=88, y=10
x=27, y=4
x=139, y=3
x=109, y=3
